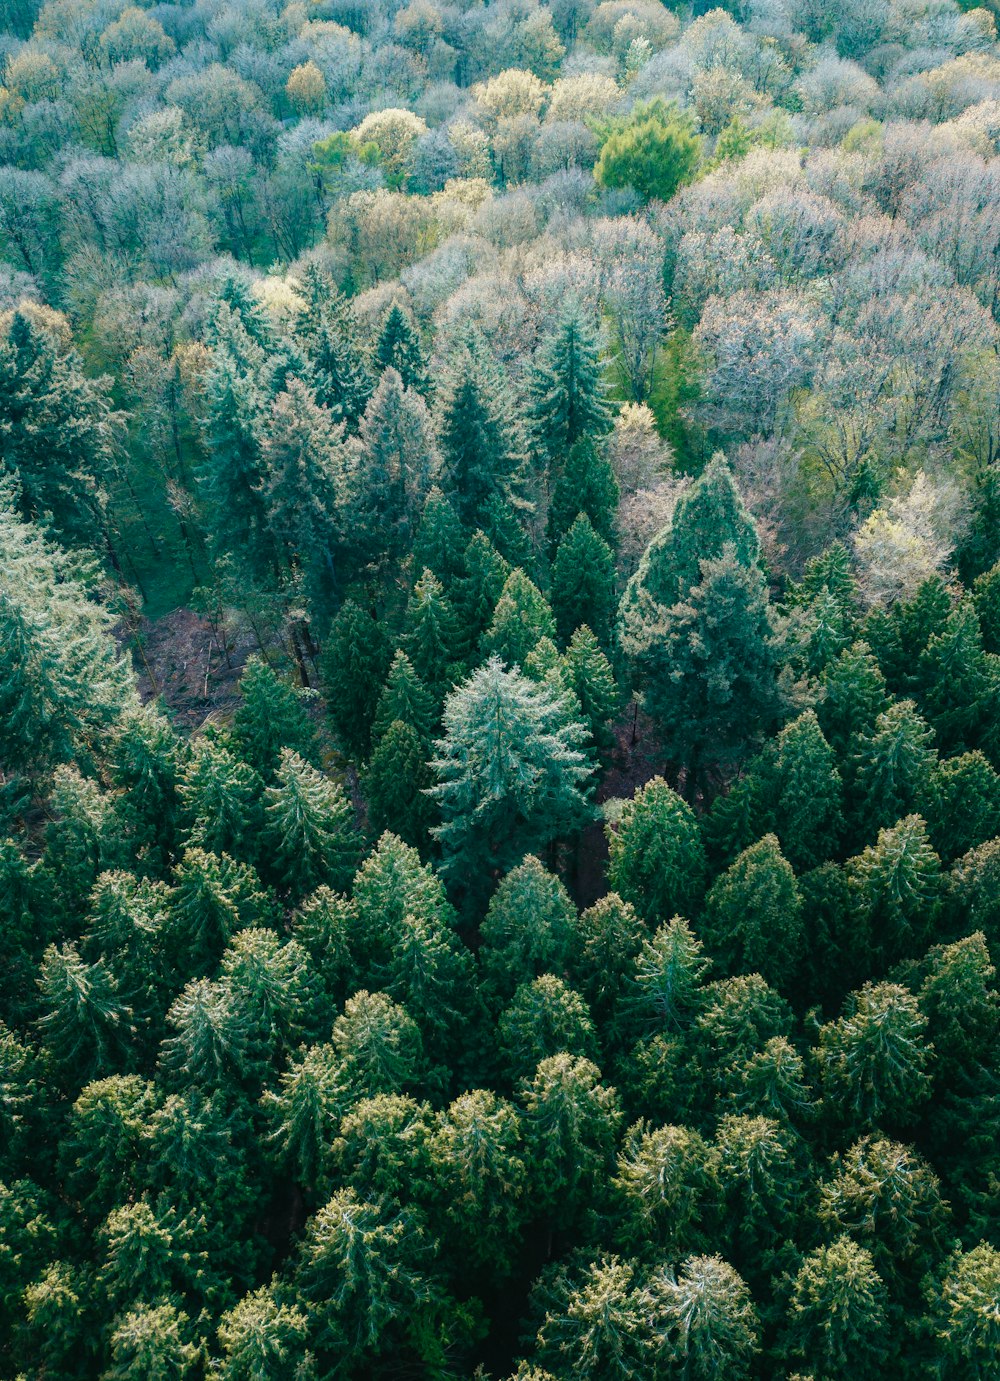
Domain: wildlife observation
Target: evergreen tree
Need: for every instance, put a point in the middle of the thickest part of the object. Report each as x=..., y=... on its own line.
x=304, y=1114
x=853, y=695
x=355, y=661
x=432, y=639
x=873, y=1060
x=343, y=381
x=85, y=1028
x=583, y=581
x=607, y=938
x=893, y=768
x=213, y=898
x=964, y=1312
x=753, y=915
x=666, y=989
x=704, y=1319
x=589, y=675
x=527, y=930
x=261, y=1336
x=837, y=1320
x=440, y=539
x=269, y=718
x=544, y=1018
x=60, y=437
x=594, y=1327
x=566, y=389
x=664, y=1188
x=963, y=805
x=657, y=860
x=480, y=436
x=585, y=484
x=521, y=619
x=221, y=796
x=147, y=761
x=479, y=590
x=309, y=829
x=896, y=887
x=396, y=783
x=512, y=774
x=404, y=697
x=398, y=347
x=807, y=794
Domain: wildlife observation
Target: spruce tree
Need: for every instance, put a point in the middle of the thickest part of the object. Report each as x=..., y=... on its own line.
x=657, y=860
x=583, y=582
x=404, y=697
x=221, y=797
x=520, y=620
x=440, y=539
x=527, y=930
x=355, y=661
x=837, y=1320
x=806, y=794
x=398, y=347
x=893, y=769
x=480, y=435
x=432, y=638
x=591, y=679
x=270, y=717
x=873, y=1060
x=753, y=915
x=479, y=590
x=586, y=484
x=83, y=1025
x=396, y=783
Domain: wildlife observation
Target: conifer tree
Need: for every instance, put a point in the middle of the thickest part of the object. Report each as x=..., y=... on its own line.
x=340, y=369
x=304, y=1114
x=595, y=1326
x=964, y=1312
x=663, y=1188
x=432, y=639
x=704, y=1319
x=379, y=1047
x=396, y=783
x=527, y=930
x=404, y=697
x=566, y=389
x=665, y=992
x=221, y=797
x=354, y=664
x=520, y=620
x=753, y=915
x=963, y=805
x=270, y=717
x=894, y=768
x=440, y=539
x=398, y=347
x=607, y=938
x=213, y=898
x=512, y=774
x=873, y=1060
x=586, y=484
x=83, y=1025
x=657, y=859
x=544, y=1018
x=853, y=695
x=592, y=680
x=309, y=829
x=148, y=759
x=807, y=794
x=583, y=581
x=896, y=886
x=479, y=590
x=260, y=1336
x=837, y=1321
x=481, y=441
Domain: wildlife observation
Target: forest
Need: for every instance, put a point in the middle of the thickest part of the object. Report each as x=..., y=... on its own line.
x=499, y=690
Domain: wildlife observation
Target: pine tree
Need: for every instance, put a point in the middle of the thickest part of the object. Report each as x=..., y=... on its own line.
x=274, y=995
x=260, y=1336
x=396, y=466
x=544, y=1018
x=986, y=599
x=753, y=915
x=153, y=1340
x=404, y=697
x=959, y=999
x=586, y=484
x=309, y=829
x=213, y=898
x=853, y=695
x=566, y=388
x=583, y=582
x=512, y=774
x=521, y=618
x=396, y=783
x=355, y=661
x=591, y=679
x=964, y=1312
x=711, y=670
x=83, y=1025
x=100, y=1153
x=657, y=860
x=398, y=347
x=269, y=718
x=963, y=806
x=896, y=885
x=594, y=1327
x=379, y=1047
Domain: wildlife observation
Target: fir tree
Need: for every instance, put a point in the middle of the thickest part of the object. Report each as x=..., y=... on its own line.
x=583, y=582
x=398, y=347
x=405, y=698
x=527, y=929
x=309, y=829
x=396, y=784
x=586, y=484
x=566, y=390
x=83, y=1025
x=479, y=590
x=657, y=860
x=511, y=770
x=432, y=639
x=481, y=441
x=807, y=794
x=355, y=661
x=270, y=717
x=440, y=539
x=591, y=679
x=520, y=620
x=753, y=915
x=838, y=1314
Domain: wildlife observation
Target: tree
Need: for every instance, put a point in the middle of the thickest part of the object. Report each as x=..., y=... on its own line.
x=398, y=347
x=60, y=436
x=397, y=782
x=544, y=1018
x=753, y=915
x=101, y=1151
x=511, y=770
x=657, y=858
x=566, y=389
x=897, y=888
x=664, y=1188
x=585, y=484
x=583, y=581
x=154, y=1341
x=213, y=898
x=853, y=695
x=894, y=768
x=873, y=1060
x=355, y=662
x=270, y=717
x=595, y=1327
x=304, y=1113
x=521, y=619
x=607, y=938
x=654, y=150
x=432, y=640
x=592, y=681
x=404, y=697
x=807, y=794
x=837, y=1317
x=704, y=1319
x=527, y=930
x=666, y=990
x=83, y=1025
x=480, y=437
x=964, y=1319
x=259, y=1335
x=309, y=829
x=221, y=797
x=479, y=589
x=570, y=1123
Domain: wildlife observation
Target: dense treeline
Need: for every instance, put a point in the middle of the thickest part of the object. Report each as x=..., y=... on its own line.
x=585, y=417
